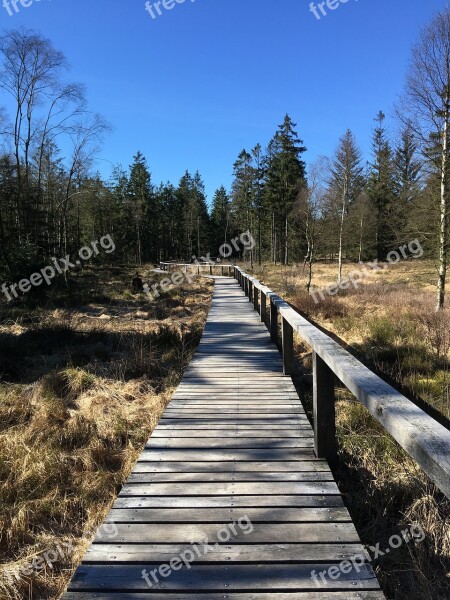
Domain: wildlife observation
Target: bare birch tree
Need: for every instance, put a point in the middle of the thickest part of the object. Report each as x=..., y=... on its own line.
x=427, y=105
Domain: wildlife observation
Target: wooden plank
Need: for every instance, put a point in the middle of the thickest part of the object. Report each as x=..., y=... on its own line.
x=253, y=553
x=271, y=533
x=255, y=454
x=192, y=477
x=231, y=433
x=230, y=501
x=348, y=595
x=217, y=577
x=226, y=515
x=226, y=488
x=232, y=467
x=234, y=442
x=289, y=429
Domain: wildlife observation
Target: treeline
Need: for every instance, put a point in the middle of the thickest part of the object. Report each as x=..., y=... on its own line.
x=340, y=208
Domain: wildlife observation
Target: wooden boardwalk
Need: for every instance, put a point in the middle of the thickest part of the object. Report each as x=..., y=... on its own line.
x=232, y=460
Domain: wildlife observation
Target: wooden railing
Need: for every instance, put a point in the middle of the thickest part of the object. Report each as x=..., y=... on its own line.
x=199, y=269
x=423, y=438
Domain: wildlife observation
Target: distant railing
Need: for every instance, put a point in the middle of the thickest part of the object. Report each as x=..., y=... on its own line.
x=198, y=268
x=423, y=438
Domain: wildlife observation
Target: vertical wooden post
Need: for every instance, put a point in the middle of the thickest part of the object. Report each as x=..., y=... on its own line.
x=210, y=270
x=256, y=298
x=288, y=347
x=324, y=410
x=250, y=290
x=273, y=322
x=198, y=270
x=222, y=270
x=263, y=311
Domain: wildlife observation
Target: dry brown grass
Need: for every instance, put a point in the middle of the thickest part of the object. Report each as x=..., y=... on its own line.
x=81, y=389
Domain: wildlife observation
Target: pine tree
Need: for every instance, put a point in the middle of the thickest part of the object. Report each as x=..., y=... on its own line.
x=139, y=195
x=285, y=178
x=381, y=189
x=407, y=173
x=220, y=217
x=197, y=233
x=243, y=194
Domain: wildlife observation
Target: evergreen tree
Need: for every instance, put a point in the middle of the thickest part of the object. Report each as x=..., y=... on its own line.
x=407, y=172
x=243, y=194
x=220, y=217
x=381, y=189
x=139, y=196
x=284, y=180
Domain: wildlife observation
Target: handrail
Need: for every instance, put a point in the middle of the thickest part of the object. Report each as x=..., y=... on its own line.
x=192, y=267
x=423, y=438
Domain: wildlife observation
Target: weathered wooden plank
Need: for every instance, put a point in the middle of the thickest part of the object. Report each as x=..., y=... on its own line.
x=280, y=420
x=137, y=477
x=252, y=553
x=230, y=433
x=331, y=595
x=234, y=442
x=232, y=467
x=226, y=488
x=231, y=411
x=270, y=533
x=219, y=577
x=226, y=515
x=249, y=454
x=235, y=501
x=267, y=426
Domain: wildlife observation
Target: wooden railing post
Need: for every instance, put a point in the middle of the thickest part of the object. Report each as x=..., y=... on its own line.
x=288, y=347
x=273, y=322
x=324, y=410
x=256, y=298
x=263, y=307
x=250, y=290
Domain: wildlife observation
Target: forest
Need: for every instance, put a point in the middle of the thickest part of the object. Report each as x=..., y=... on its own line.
x=342, y=207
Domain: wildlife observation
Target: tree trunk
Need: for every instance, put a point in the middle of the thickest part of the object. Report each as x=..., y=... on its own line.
x=443, y=228
x=286, y=244
x=341, y=230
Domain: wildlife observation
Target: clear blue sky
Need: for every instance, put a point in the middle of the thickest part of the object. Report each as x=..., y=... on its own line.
x=197, y=84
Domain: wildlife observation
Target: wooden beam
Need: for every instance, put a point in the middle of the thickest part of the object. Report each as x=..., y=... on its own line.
x=287, y=347
x=324, y=410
